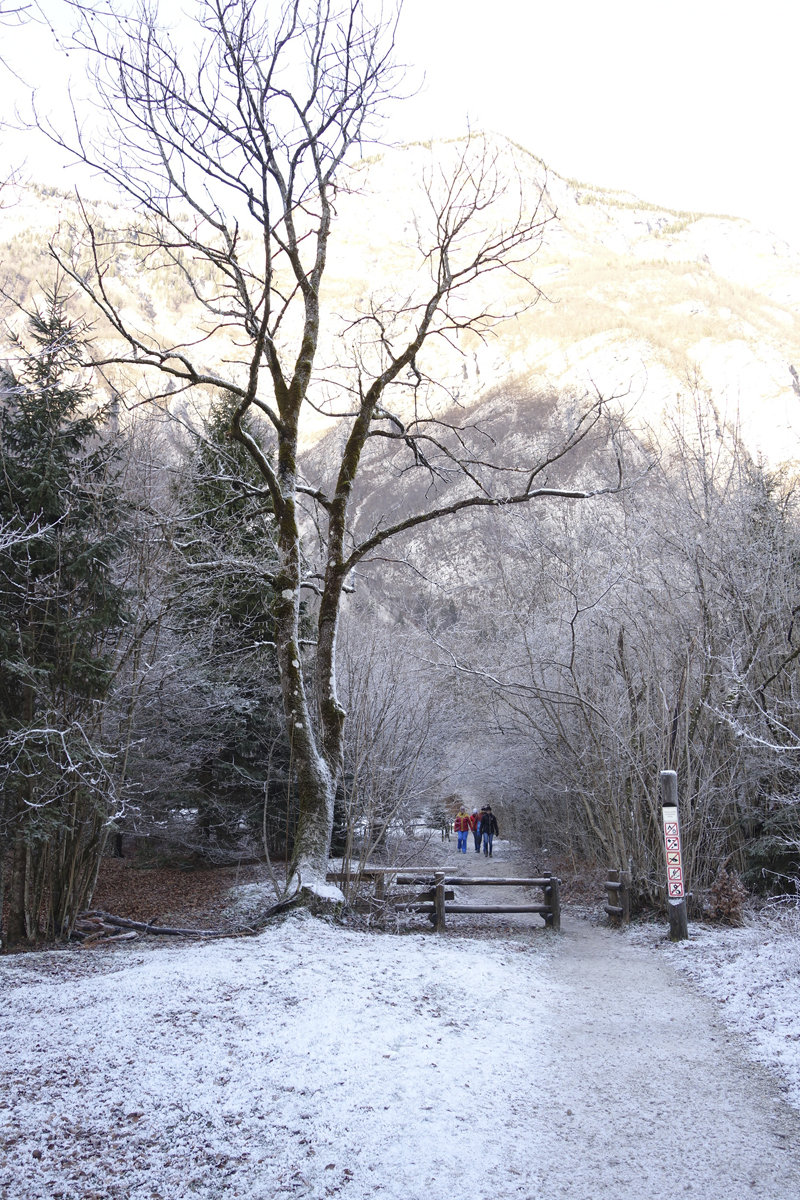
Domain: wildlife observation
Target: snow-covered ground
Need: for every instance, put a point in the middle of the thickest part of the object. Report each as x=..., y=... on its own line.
x=304, y=1062
x=753, y=974
x=315, y=1061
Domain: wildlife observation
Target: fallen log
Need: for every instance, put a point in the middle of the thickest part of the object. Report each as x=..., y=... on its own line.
x=89, y=928
x=146, y=927
x=97, y=916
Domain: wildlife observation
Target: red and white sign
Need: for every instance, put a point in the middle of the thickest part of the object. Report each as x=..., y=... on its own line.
x=672, y=846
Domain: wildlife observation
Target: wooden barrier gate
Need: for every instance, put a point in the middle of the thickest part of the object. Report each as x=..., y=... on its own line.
x=436, y=900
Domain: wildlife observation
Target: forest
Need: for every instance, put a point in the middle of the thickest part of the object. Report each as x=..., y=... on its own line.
x=222, y=640
x=553, y=662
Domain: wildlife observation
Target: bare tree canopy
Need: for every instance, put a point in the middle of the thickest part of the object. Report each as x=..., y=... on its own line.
x=234, y=144
x=12, y=13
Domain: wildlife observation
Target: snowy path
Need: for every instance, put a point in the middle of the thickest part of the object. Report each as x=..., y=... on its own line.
x=314, y=1061
x=505, y=862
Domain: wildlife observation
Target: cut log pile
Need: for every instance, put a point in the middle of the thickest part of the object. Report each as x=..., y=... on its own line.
x=93, y=931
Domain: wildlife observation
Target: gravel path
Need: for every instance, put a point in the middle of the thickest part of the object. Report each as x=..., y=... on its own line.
x=660, y=1099
x=316, y=1061
x=648, y=1092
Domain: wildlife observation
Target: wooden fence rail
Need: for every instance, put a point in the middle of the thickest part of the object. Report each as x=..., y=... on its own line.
x=437, y=900
x=544, y=909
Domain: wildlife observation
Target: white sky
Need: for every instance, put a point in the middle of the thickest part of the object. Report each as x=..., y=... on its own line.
x=689, y=103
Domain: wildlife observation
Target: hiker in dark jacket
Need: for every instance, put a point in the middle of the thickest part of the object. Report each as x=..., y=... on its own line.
x=489, y=828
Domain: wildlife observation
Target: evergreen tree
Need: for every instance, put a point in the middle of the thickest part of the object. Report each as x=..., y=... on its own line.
x=225, y=607
x=59, y=608
x=211, y=736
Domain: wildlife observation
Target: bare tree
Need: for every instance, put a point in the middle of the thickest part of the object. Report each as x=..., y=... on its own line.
x=15, y=14
x=233, y=150
x=656, y=631
x=396, y=728
x=12, y=16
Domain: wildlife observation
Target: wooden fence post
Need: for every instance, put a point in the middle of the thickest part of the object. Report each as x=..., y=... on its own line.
x=613, y=887
x=676, y=896
x=440, y=923
x=625, y=896
x=553, y=895
x=619, y=896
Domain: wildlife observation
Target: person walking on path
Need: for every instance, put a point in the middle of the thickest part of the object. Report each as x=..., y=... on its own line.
x=475, y=826
x=489, y=828
x=462, y=829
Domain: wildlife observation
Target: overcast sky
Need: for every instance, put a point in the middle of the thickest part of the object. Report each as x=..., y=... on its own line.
x=689, y=103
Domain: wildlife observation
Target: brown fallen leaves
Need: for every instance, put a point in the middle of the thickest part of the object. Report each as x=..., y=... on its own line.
x=167, y=895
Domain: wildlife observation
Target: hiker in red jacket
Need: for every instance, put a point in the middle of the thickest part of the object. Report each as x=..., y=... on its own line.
x=475, y=826
x=462, y=829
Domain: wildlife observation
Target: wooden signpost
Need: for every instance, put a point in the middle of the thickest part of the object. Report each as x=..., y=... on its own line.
x=676, y=893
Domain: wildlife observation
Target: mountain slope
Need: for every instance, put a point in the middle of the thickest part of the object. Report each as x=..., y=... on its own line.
x=639, y=301
x=644, y=302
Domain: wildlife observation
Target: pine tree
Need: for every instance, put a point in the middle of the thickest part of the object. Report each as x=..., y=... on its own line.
x=225, y=609
x=59, y=608
x=205, y=756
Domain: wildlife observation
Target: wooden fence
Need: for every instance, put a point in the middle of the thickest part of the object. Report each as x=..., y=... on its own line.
x=437, y=899
x=618, y=887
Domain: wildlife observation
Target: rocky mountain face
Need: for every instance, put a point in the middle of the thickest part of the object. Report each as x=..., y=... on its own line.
x=638, y=302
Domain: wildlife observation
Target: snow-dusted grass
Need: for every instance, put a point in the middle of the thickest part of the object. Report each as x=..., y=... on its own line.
x=301, y=1062
x=754, y=975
